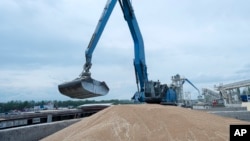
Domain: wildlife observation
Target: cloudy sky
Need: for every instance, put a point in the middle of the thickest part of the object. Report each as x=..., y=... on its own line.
x=42, y=44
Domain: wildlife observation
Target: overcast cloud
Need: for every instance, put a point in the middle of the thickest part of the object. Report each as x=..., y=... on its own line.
x=42, y=44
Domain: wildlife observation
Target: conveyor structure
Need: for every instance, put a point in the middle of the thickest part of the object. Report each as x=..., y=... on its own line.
x=231, y=92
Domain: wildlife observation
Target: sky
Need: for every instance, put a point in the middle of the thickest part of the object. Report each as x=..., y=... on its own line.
x=43, y=42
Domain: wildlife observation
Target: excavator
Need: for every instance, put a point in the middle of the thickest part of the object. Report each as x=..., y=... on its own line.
x=147, y=90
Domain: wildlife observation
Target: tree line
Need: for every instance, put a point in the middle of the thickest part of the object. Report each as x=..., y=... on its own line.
x=22, y=105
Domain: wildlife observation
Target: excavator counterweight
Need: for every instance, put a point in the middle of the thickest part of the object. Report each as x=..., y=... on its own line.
x=83, y=87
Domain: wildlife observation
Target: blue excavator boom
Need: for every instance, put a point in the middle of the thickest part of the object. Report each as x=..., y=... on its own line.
x=147, y=91
x=84, y=86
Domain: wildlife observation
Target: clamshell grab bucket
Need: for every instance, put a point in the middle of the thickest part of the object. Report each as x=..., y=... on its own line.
x=85, y=87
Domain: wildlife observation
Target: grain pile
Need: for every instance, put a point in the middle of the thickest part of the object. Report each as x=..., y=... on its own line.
x=148, y=123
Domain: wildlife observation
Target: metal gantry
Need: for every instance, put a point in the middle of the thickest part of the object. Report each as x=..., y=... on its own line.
x=230, y=93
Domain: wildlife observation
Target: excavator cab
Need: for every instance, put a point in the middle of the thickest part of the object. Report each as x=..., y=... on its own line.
x=83, y=87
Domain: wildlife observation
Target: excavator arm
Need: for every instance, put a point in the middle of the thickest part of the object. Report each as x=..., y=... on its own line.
x=97, y=34
x=85, y=86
